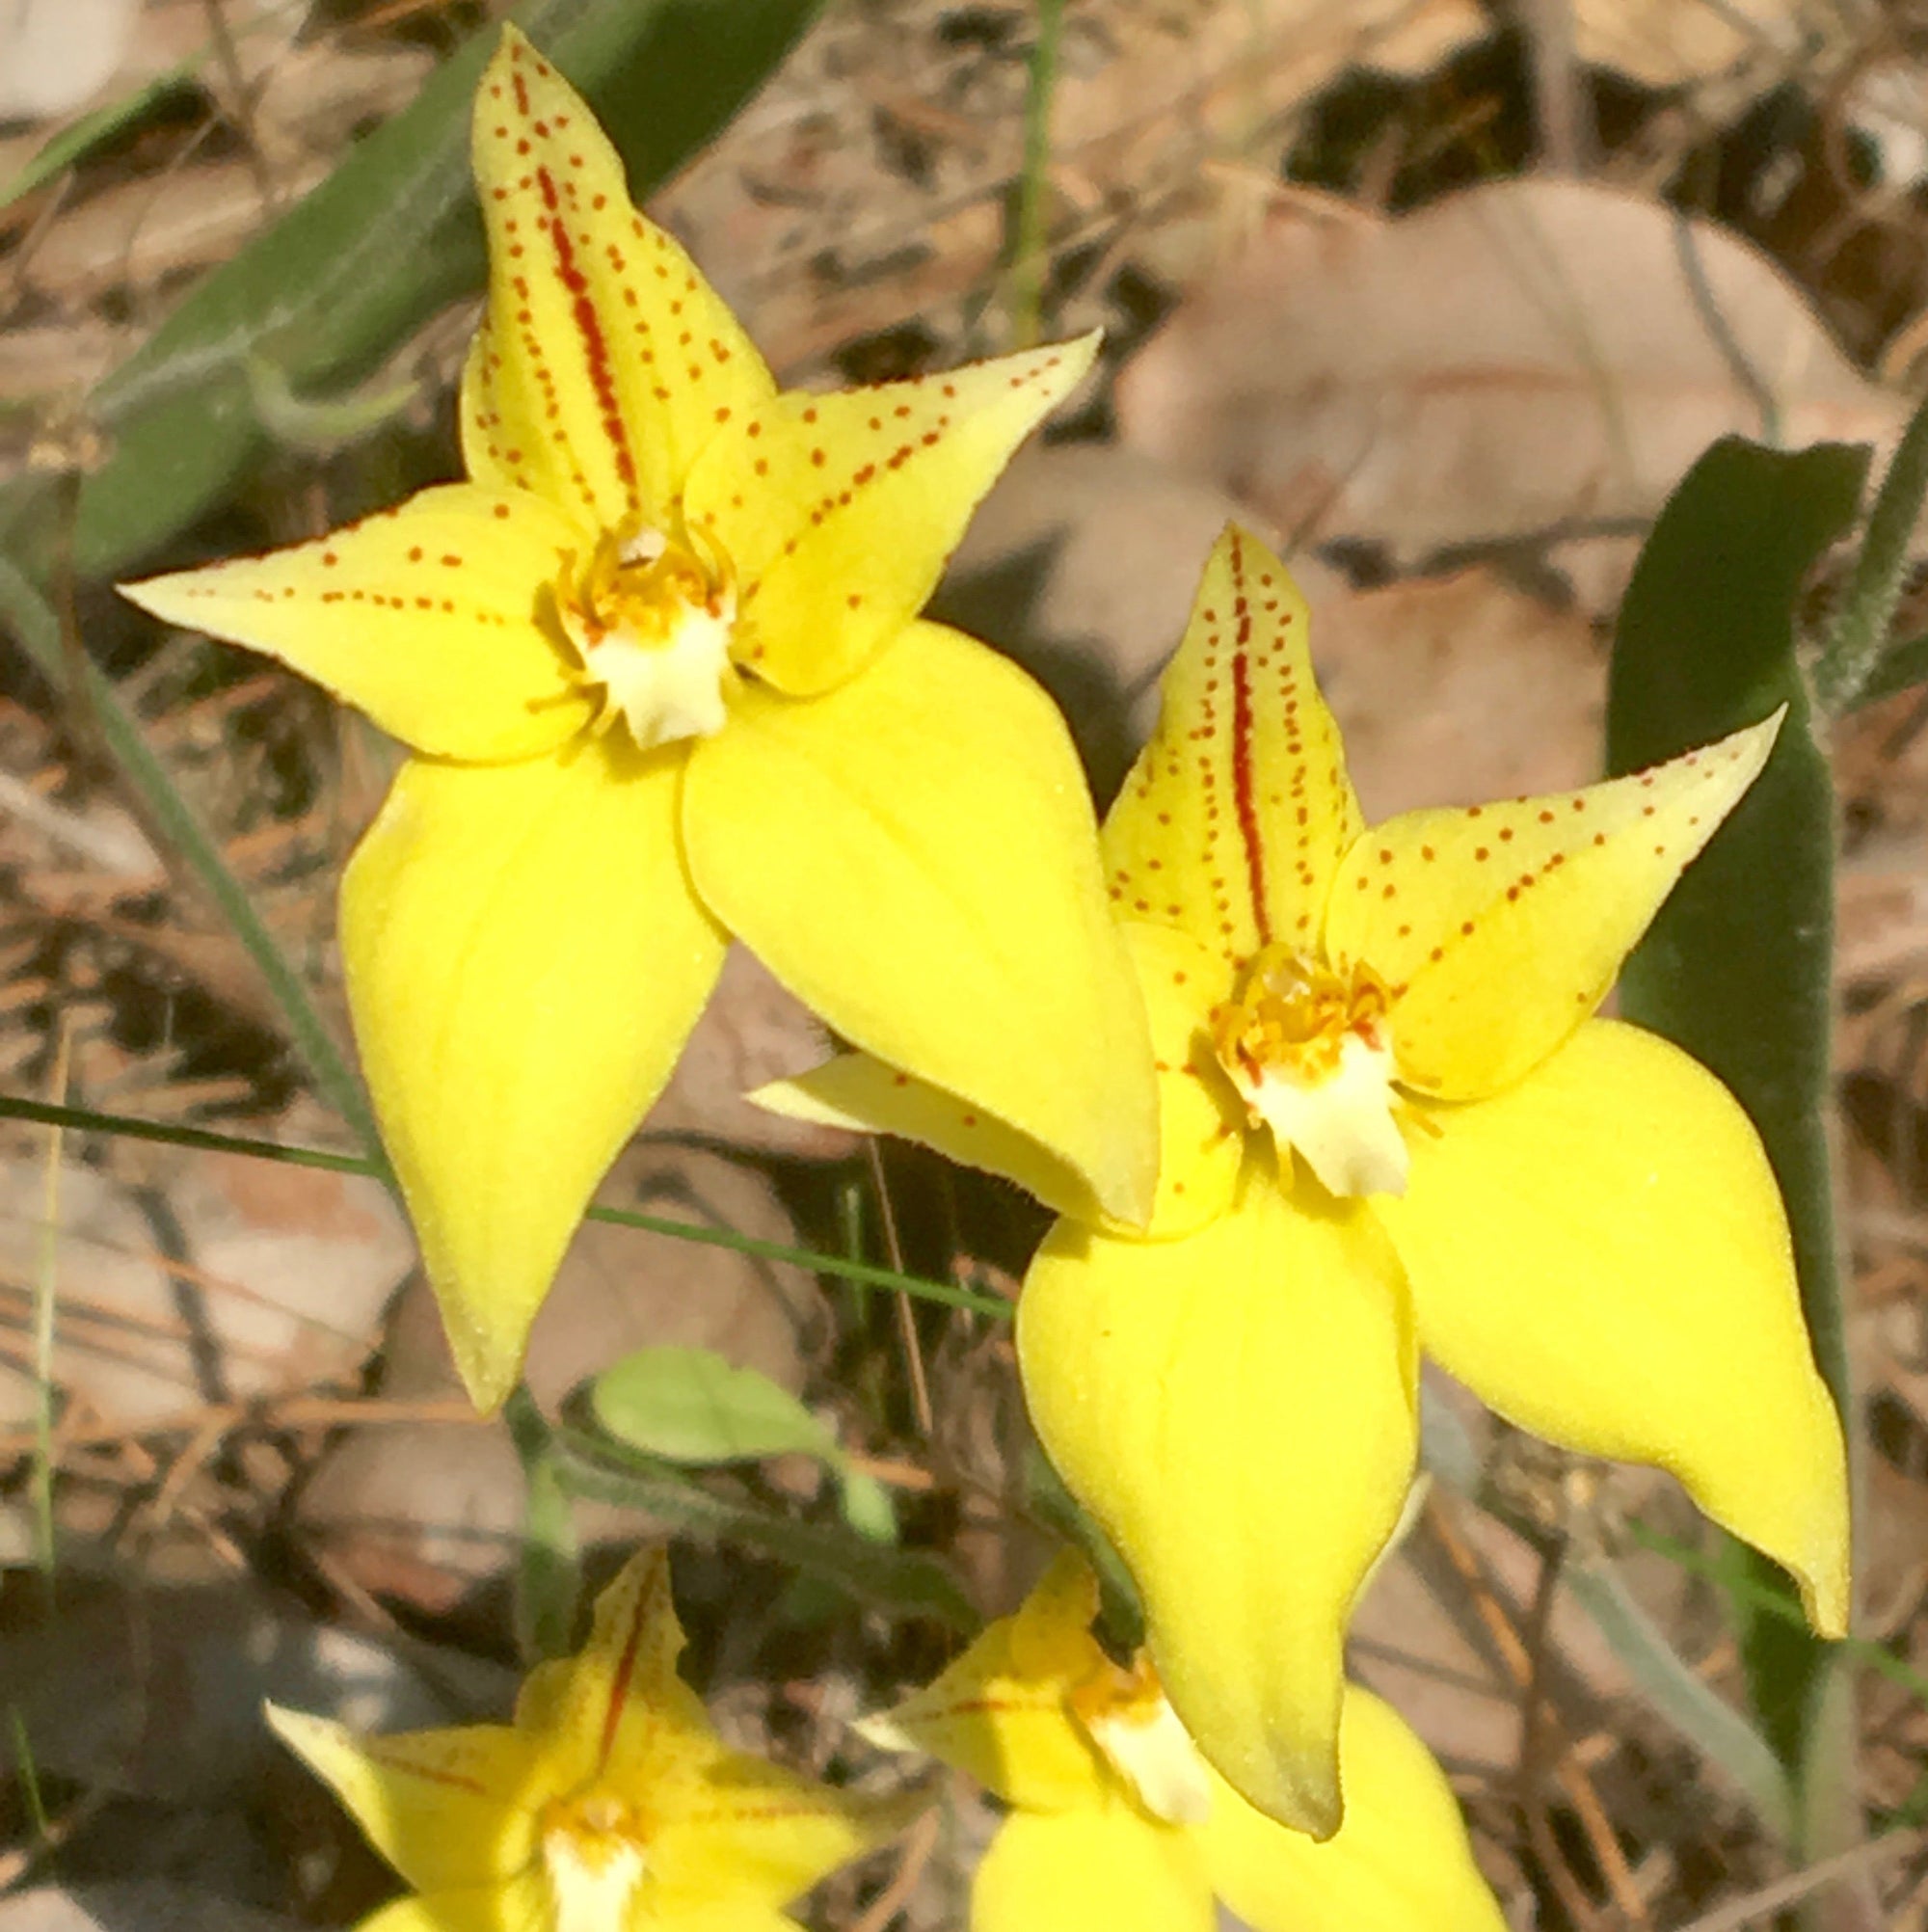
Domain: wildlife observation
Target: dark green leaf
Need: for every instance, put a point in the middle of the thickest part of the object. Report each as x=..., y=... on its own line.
x=348, y=274
x=1737, y=968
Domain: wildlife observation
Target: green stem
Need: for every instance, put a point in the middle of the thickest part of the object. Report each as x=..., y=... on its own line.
x=86, y=1120
x=1027, y=253
x=1857, y=641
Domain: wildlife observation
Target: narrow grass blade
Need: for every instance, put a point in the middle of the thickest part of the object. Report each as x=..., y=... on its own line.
x=31, y=618
x=86, y=1120
x=1711, y=1725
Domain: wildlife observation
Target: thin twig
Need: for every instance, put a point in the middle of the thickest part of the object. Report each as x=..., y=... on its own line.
x=1759, y=1904
x=919, y=1841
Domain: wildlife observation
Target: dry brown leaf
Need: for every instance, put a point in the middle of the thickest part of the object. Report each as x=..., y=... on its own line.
x=1676, y=42
x=1453, y=691
x=1502, y=363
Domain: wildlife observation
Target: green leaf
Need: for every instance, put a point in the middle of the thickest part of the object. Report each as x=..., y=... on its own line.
x=343, y=280
x=1738, y=966
x=691, y=1405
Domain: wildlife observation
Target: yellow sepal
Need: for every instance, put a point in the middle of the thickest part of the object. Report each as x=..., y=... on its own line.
x=525, y=959
x=1401, y=1863
x=999, y=1713
x=1602, y=1256
x=1201, y=1125
x=1185, y=1389
x=1103, y=1869
x=447, y=1809
x=864, y=1096
x=607, y=362
x=1500, y=928
x=913, y=855
x=838, y=512
x=1238, y=810
x=429, y=617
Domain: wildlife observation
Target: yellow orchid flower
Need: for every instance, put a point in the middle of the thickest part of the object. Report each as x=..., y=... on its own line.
x=608, y=1806
x=1118, y=1825
x=659, y=664
x=1391, y=1123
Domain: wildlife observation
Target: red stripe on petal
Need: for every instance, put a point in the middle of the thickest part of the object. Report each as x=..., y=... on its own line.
x=589, y=326
x=1243, y=801
x=619, y=1685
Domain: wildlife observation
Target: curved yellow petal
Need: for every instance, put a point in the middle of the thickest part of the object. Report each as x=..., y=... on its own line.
x=913, y=855
x=1601, y=1253
x=864, y=1096
x=999, y=1714
x=1200, y=1134
x=1238, y=1411
x=525, y=959
x=1400, y=1863
x=838, y=512
x=447, y=1809
x=618, y=1707
x=428, y=617
x=1201, y=1129
x=1097, y=1870
x=1500, y=928
x=742, y=1833
x=1238, y=809
x=608, y=362
x=521, y=1904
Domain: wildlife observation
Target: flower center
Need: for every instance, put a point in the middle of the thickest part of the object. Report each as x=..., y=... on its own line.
x=1310, y=1052
x=592, y=1855
x=1138, y=1732
x=651, y=623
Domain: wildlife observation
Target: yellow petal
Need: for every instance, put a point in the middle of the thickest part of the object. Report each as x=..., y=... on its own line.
x=913, y=855
x=1201, y=1130
x=446, y=1808
x=525, y=960
x=428, y=617
x=745, y=1833
x=519, y=1905
x=1096, y=1870
x=607, y=362
x=838, y=512
x=1500, y=928
x=1401, y=1862
x=1260, y=1373
x=999, y=1713
x=1236, y=812
x=618, y=1707
x=864, y=1096
x=1602, y=1256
